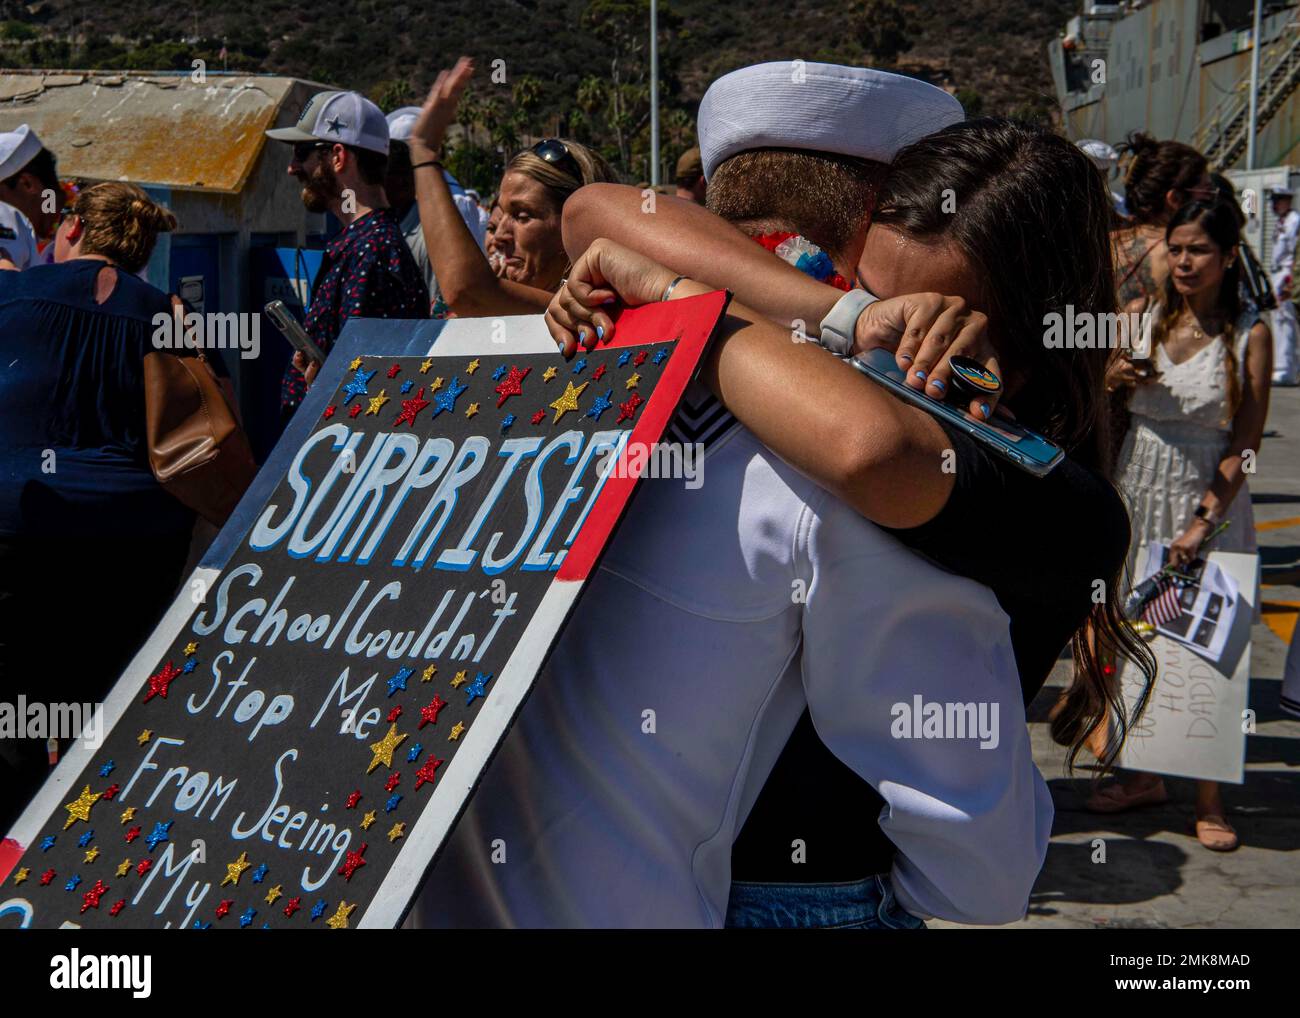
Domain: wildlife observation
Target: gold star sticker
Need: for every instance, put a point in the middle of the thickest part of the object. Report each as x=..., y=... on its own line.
x=473, y=409
x=424, y=368
x=436, y=385
x=124, y=867
x=144, y=737
x=92, y=854
x=428, y=674
x=234, y=870
x=21, y=875
x=631, y=382
x=356, y=363
x=456, y=731
x=376, y=402
x=472, y=366
x=367, y=820
x=549, y=373
x=459, y=678
x=383, y=749
x=569, y=401
x=191, y=648
x=128, y=814
x=79, y=808
x=339, y=920
x=272, y=894
x=398, y=830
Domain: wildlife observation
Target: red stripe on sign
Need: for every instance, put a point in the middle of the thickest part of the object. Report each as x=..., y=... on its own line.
x=691, y=322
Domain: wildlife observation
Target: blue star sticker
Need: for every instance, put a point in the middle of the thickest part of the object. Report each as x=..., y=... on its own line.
x=107, y=769
x=478, y=687
x=47, y=842
x=246, y=917
x=71, y=885
x=499, y=373
x=414, y=752
x=601, y=404
x=318, y=909
x=406, y=386
x=334, y=124
x=357, y=387
x=259, y=874
x=507, y=421
x=579, y=365
x=392, y=802
x=398, y=681
x=190, y=665
x=199, y=924
x=659, y=357
x=624, y=357
x=159, y=833
x=86, y=839
x=446, y=400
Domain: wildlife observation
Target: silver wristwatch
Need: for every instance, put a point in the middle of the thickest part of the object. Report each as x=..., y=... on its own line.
x=838, y=327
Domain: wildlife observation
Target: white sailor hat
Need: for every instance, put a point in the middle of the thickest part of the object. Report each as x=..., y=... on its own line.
x=1099, y=152
x=17, y=149
x=853, y=111
x=401, y=123
x=1281, y=192
x=348, y=118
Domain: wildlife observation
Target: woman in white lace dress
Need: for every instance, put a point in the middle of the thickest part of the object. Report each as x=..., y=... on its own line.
x=1198, y=405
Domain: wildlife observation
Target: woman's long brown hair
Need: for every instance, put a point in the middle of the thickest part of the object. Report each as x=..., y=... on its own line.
x=1033, y=211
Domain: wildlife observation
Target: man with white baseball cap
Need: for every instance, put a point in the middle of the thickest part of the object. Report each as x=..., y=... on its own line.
x=30, y=197
x=1106, y=159
x=340, y=155
x=400, y=187
x=1286, y=323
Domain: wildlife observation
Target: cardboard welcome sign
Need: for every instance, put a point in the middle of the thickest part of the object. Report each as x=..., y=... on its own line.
x=298, y=737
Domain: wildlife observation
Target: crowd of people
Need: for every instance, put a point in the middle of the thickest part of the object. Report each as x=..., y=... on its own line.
x=863, y=204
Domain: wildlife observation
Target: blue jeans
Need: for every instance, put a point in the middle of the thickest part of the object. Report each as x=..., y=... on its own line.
x=864, y=905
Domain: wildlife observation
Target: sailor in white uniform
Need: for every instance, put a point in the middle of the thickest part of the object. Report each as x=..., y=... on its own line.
x=18, y=244
x=718, y=615
x=1286, y=328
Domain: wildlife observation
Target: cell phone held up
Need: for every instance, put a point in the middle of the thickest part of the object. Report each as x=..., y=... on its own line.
x=293, y=332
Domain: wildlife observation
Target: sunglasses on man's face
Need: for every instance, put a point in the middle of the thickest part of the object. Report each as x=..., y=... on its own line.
x=555, y=152
x=302, y=150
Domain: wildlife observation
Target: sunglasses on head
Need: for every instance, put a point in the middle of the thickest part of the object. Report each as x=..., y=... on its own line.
x=555, y=152
x=302, y=150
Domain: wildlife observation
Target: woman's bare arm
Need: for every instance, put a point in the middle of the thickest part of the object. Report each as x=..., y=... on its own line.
x=1248, y=424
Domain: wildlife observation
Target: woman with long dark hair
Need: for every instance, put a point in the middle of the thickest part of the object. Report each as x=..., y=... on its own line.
x=1198, y=415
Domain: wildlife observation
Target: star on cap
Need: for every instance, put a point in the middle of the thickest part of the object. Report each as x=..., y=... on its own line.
x=335, y=124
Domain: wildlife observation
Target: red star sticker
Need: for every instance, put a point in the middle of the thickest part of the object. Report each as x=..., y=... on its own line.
x=145, y=866
x=132, y=834
x=598, y=372
x=46, y=877
x=539, y=416
x=392, y=372
x=627, y=409
x=429, y=714
x=410, y=408
x=427, y=772
x=639, y=359
x=353, y=799
x=356, y=409
x=329, y=412
x=512, y=384
x=117, y=906
x=394, y=714
x=111, y=790
x=352, y=863
x=393, y=781
x=224, y=908
x=160, y=680
x=293, y=906
x=91, y=898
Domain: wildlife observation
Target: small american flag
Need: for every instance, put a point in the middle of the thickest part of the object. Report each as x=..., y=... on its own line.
x=1163, y=606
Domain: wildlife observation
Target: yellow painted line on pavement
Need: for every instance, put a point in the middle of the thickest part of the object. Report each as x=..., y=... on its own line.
x=1280, y=616
x=1290, y=521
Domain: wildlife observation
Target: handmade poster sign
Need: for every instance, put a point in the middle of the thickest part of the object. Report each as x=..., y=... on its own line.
x=1194, y=725
x=297, y=739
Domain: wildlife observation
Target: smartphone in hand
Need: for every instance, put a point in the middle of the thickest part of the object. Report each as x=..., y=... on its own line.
x=293, y=332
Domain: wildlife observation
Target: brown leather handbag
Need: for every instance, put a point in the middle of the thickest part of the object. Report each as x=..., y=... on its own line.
x=197, y=449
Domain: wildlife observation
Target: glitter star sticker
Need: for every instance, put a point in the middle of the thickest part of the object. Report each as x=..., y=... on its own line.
x=507, y=422
x=398, y=681
x=624, y=357
x=436, y=384
x=132, y=834
x=579, y=365
x=356, y=363
x=91, y=898
x=124, y=867
x=292, y=906
x=598, y=373
x=117, y=906
x=47, y=842
x=319, y=908
x=145, y=866
x=425, y=366
x=160, y=680
x=376, y=402
x=414, y=752
x=357, y=387
x=393, y=781
x=22, y=875
x=339, y=920
x=457, y=730
x=235, y=870
x=85, y=839
x=428, y=674
x=92, y=855
x=429, y=714
x=144, y=737
x=246, y=917
x=191, y=648
x=471, y=410
x=355, y=411
x=447, y=400
x=538, y=417
x=392, y=802
x=661, y=355
x=383, y=749
x=223, y=909
x=511, y=385
x=398, y=830
x=627, y=409
x=259, y=874
x=478, y=688
x=632, y=380
x=601, y=404
x=128, y=814
x=352, y=862
x=458, y=680
x=79, y=808
x=411, y=409
x=407, y=386
x=471, y=367
x=499, y=373
x=329, y=412
x=367, y=820
x=272, y=894
x=569, y=401
x=427, y=772
x=549, y=373
x=353, y=799
x=159, y=833
x=639, y=359
x=47, y=877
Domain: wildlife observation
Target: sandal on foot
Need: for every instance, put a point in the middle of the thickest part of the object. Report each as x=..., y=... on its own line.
x=1215, y=833
x=1115, y=799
